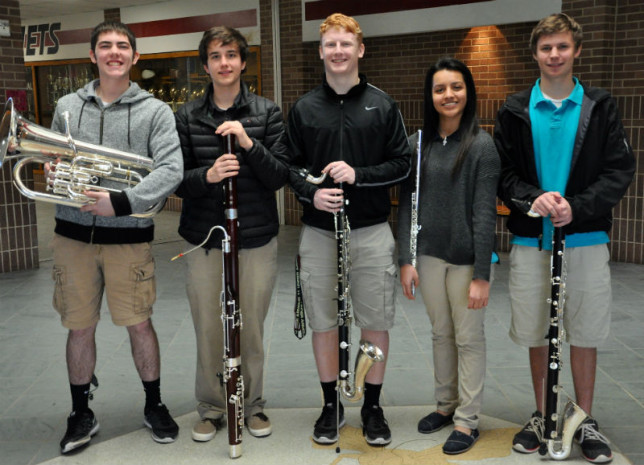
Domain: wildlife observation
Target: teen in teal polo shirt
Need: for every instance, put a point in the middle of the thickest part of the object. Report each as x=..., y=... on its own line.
x=565, y=163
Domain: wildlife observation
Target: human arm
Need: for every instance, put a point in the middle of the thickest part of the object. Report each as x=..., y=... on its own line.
x=486, y=177
x=604, y=169
x=158, y=184
x=518, y=186
x=395, y=164
x=408, y=273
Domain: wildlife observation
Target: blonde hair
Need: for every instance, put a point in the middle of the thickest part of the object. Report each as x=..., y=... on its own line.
x=343, y=22
x=554, y=24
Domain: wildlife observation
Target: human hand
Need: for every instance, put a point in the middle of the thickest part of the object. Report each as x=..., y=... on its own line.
x=102, y=205
x=479, y=293
x=409, y=278
x=235, y=128
x=225, y=166
x=340, y=171
x=328, y=200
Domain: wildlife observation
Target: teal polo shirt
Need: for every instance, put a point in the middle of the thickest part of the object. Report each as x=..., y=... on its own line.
x=553, y=135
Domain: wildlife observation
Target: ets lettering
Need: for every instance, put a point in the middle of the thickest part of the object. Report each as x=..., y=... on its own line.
x=41, y=39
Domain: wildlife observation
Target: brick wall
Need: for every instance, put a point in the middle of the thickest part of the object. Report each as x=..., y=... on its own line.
x=18, y=232
x=501, y=63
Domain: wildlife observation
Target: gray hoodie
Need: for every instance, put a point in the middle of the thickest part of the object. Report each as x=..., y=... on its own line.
x=136, y=123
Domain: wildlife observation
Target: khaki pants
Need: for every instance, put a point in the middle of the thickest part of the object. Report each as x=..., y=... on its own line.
x=257, y=274
x=458, y=339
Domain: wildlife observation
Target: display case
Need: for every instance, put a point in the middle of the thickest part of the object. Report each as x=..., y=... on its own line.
x=174, y=78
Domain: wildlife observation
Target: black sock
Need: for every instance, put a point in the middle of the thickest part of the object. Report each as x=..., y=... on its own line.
x=329, y=392
x=80, y=397
x=152, y=393
x=372, y=395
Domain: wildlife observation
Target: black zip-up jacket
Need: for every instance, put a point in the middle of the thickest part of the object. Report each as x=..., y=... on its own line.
x=363, y=128
x=602, y=164
x=262, y=171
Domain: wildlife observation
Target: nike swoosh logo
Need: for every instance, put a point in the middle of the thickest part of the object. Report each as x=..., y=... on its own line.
x=370, y=108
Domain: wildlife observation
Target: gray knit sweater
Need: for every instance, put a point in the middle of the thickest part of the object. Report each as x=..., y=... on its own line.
x=457, y=216
x=135, y=123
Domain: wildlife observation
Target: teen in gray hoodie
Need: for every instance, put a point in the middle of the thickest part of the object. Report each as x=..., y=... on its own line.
x=99, y=248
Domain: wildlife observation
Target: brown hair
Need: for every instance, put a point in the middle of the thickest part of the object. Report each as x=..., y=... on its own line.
x=226, y=35
x=112, y=26
x=559, y=22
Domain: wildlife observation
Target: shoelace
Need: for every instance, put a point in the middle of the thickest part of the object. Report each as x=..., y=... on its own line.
x=588, y=431
x=536, y=425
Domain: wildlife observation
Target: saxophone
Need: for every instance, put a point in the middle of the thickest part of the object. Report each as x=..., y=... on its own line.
x=369, y=353
x=558, y=435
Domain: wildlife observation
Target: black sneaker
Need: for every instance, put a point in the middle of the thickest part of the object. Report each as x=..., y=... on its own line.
x=594, y=445
x=81, y=426
x=326, y=431
x=164, y=429
x=374, y=426
x=530, y=437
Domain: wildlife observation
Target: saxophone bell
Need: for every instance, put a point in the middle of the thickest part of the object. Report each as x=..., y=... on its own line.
x=367, y=356
x=558, y=448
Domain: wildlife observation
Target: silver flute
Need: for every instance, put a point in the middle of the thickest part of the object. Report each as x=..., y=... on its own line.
x=415, y=196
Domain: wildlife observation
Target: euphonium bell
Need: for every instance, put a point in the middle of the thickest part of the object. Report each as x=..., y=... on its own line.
x=76, y=166
x=367, y=356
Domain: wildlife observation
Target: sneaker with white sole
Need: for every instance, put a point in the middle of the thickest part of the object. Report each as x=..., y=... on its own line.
x=81, y=426
x=594, y=445
x=327, y=425
x=375, y=428
x=204, y=430
x=259, y=425
x=164, y=429
x=528, y=440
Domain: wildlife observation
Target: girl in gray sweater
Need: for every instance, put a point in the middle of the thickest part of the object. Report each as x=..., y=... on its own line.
x=459, y=171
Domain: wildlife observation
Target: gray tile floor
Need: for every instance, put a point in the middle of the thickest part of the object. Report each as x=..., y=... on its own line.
x=34, y=396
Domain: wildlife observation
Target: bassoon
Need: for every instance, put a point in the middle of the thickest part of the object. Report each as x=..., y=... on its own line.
x=231, y=318
x=231, y=315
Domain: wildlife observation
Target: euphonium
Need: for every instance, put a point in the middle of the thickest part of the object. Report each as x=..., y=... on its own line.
x=369, y=353
x=76, y=166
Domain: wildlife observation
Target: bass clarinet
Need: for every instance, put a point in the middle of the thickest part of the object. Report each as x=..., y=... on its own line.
x=415, y=197
x=369, y=353
x=558, y=433
x=231, y=316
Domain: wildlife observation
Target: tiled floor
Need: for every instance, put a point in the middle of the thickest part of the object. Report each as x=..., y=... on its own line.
x=35, y=400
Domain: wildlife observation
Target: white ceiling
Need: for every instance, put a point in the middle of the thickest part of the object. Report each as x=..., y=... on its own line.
x=32, y=9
